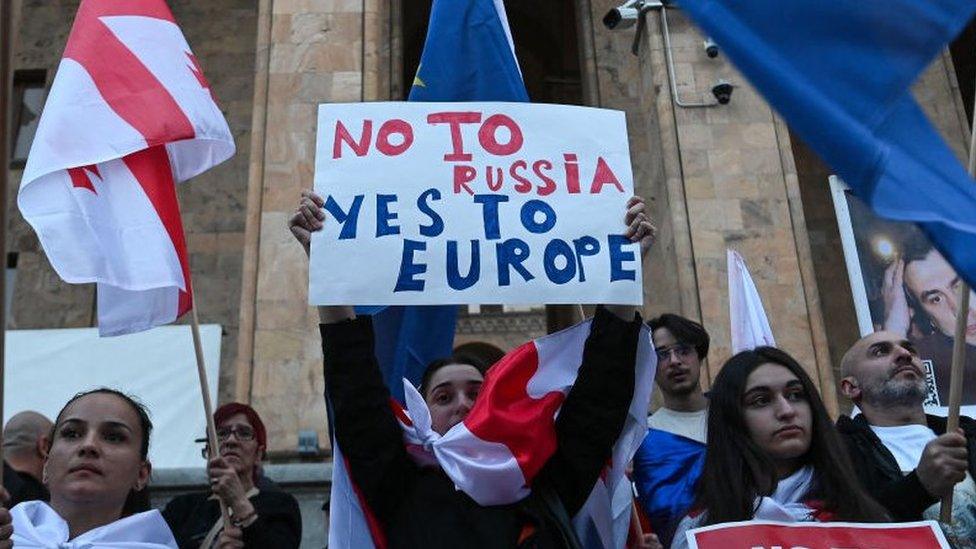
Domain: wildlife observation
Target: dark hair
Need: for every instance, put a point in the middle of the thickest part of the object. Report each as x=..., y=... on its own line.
x=685, y=330
x=737, y=470
x=138, y=407
x=457, y=358
x=916, y=248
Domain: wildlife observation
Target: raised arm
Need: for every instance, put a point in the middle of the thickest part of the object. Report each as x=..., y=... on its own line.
x=593, y=415
x=366, y=431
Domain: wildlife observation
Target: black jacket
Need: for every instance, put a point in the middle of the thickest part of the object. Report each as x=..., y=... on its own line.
x=420, y=507
x=22, y=486
x=903, y=495
x=279, y=522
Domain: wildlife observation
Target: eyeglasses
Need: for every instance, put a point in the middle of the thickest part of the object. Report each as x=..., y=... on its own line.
x=242, y=432
x=680, y=350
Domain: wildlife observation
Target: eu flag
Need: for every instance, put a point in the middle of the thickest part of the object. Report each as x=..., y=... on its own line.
x=468, y=56
x=839, y=72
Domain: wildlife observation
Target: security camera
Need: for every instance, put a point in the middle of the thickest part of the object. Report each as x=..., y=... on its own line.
x=623, y=16
x=722, y=91
x=711, y=48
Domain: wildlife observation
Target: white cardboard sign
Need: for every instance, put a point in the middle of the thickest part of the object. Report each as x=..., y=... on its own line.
x=450, y=203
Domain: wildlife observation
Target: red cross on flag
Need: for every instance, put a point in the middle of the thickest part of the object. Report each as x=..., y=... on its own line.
x=129, y=115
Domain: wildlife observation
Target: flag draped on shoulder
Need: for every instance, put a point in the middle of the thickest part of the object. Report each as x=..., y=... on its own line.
x=129, y=115
x=750, y=327
x=496, y=451
x=840, y=74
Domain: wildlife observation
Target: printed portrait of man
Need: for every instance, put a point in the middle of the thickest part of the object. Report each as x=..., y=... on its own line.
x=921, y=300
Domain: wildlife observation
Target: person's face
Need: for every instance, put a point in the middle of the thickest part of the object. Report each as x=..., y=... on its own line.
x=886, y=372
x=95, y=455
x=238, y=445
x=935, y=285
x=678, y=365
x=453, y=390
x=777, y=414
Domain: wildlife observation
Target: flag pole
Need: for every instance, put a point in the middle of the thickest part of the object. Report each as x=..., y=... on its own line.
x=205, y=393
x=959, y=342
x=6, y=64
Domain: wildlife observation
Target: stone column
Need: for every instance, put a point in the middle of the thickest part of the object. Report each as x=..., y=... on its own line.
x=316, y=54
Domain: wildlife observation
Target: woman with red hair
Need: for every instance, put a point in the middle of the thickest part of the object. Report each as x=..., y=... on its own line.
x=259, y=518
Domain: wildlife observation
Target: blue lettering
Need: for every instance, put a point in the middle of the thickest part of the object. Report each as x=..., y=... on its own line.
x=454, y=278
x=384, y=215
x=554, y=249
x=530, y=208
x=409, y=269
x=618, y=256
x=585, y=246
x=489, y=210
x=348, y=220
x=436, y=226
x=511, y=253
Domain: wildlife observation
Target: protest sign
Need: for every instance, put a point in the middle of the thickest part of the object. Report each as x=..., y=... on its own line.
x=443, y=203
x=818, y=535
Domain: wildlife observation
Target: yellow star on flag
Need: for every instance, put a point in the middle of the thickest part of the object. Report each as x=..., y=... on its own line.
x=416, y=79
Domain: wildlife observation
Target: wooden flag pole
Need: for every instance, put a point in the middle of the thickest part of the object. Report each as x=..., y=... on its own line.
x=205, y=393
x=6, y=64
x=959, y=343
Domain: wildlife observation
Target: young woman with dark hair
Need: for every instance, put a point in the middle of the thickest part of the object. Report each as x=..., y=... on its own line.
x=98, y=456
x=419, y=506
x=773, y=452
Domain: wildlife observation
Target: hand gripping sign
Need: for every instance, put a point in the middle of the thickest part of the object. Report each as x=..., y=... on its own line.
x=818, y=535
x=441, y=203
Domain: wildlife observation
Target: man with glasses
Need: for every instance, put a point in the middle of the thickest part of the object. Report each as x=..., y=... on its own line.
x=670, y=459
x=259, y=518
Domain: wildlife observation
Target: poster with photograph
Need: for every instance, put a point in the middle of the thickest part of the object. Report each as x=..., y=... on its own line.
x=902, y=284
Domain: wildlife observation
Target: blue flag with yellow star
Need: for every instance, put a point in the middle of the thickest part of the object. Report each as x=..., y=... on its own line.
x=468, y=56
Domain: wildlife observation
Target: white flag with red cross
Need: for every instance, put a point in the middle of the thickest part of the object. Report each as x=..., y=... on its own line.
x=129, y=115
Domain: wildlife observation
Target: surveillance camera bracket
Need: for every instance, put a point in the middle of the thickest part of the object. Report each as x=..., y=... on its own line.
x=662, y=6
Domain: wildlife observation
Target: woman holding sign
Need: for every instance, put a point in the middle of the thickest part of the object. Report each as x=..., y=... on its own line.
x=772, y=451
x=412, y=503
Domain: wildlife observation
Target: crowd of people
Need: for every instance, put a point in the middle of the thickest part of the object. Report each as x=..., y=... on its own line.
x=759, y=444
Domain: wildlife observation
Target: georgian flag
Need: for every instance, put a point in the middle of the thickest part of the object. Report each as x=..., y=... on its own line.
x=129, y=115
x=494, y=454
x=750, y=327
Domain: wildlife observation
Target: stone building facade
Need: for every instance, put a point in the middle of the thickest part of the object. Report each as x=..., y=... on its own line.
x=718, y=177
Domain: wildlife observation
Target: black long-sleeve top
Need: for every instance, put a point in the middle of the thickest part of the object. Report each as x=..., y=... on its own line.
x=279, y=522
x=420, y=507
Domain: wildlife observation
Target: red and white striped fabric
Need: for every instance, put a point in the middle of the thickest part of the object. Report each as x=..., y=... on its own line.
x=501, y=445
x=129, y=115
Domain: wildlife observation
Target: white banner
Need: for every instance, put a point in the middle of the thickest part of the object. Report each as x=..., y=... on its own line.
x=45, y=368
x=444, y=203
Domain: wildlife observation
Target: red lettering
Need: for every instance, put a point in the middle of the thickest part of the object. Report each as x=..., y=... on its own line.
x=550, y=183
x=390, y=127
x=492, y=183
x=342, y=135
x=524, y=185
x=455, y=119
x=572, y=173
x=462, y=176
x=604, y=176
x=489, y=141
